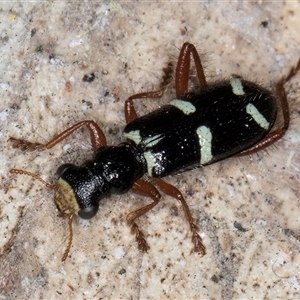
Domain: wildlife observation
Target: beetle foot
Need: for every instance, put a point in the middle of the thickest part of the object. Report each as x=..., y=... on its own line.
x=198, y=245
x=25, y=145
x=142, y=244
x=197, y=240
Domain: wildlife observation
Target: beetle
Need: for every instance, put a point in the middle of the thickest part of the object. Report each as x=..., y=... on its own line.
x=201, y=126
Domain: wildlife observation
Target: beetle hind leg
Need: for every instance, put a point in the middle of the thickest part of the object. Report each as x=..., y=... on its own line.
x=278, y=133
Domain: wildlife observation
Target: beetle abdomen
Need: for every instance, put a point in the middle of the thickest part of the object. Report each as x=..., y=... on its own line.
x=205, y=126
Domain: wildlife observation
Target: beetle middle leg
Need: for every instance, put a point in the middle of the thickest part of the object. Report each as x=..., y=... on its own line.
x=130, y=113
x=183, y=69
x=145, y=188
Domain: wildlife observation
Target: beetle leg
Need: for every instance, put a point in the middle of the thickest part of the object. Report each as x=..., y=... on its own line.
x=96, y=135
x=175, y=193
x=181, y=80
x=130, y=113
x=278, y=133
x=183, y=69
x=144, y=188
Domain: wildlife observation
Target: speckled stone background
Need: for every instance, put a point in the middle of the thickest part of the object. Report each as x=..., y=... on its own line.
x=247, y=209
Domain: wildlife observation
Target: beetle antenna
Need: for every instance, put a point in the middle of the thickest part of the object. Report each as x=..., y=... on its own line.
x=35, y=176
x=65, y=255
x=53, y=187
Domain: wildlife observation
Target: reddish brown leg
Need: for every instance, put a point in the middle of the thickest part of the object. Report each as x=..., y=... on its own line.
x=278, y=133
x=181, y=80
x=183, y=69
x=96, y=135
x=130, y=113
x=143, y=188
x=175, y=193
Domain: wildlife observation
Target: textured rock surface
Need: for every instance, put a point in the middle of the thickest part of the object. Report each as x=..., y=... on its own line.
x=247, y=208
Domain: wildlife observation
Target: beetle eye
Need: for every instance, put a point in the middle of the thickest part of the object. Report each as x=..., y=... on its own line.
x=62, y=169
x=88, y=212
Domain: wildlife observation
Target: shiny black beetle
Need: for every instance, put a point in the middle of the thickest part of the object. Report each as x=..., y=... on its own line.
x=199, y=127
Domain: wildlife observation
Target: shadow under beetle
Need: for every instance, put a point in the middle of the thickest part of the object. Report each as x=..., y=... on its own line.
x=201, y=126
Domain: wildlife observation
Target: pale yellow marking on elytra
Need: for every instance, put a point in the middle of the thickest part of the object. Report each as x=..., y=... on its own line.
x=133, y=135
x=205, y=138
x=185, y=106
x=150, y=159
x=257, y=116
x=237, y=86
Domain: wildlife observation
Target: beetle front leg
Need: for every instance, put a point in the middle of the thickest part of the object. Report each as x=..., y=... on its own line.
x=96, y=135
